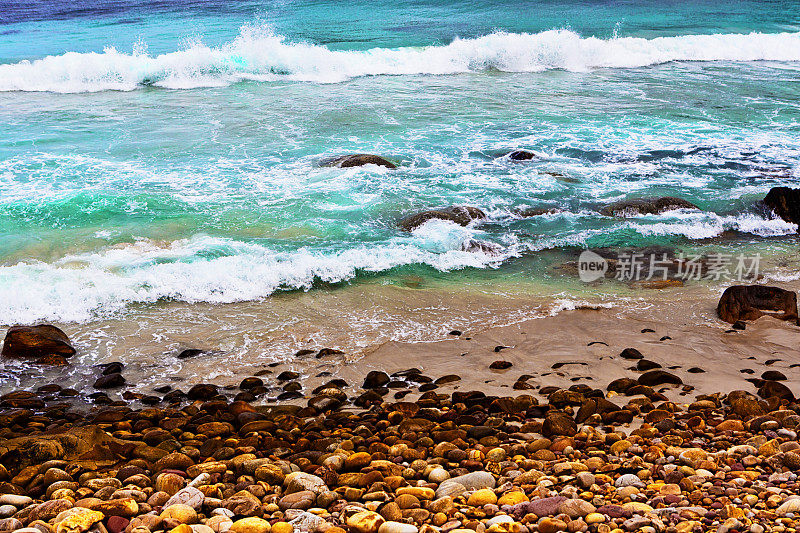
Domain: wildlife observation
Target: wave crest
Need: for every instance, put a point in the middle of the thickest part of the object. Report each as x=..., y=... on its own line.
x=257, y=54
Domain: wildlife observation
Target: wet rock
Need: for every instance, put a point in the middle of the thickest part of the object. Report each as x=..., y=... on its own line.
x=190, y=352
x=460, y=215
x=645, y=206
x=750, y=302
x=500, y=365
x=375, y=379
x=357, y=160
x=643, y=365
x=521, y=155
x=775, y=389
x=36, y=342
x=202, y=391
x=659, y=377
x=558, y=424
x=631, y=353
x=109, y=381
x=785, y=203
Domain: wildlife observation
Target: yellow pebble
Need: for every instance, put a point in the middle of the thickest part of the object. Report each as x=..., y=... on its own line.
x=482, y=497
x=512, y=498
x=594, y=518
x=282, y=527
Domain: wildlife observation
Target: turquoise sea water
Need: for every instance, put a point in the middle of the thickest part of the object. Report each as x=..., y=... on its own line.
x=156, y=151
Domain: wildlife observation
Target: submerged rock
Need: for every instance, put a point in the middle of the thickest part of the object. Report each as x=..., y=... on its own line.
x=36, y=342
x=785, y=203
x=521, y=155
x=459, y=214
x=357, y=160
x=750, y=302
x=645, y=206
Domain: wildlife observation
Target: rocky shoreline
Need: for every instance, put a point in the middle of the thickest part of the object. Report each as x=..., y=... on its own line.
x=617, y=458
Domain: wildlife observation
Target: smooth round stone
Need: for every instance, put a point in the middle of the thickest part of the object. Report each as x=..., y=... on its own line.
x=397, y=527
x=15, y=500
x=594, y=518
x=512, y=498
x=437, y=475
x=499, y=519
x=482, y=497
x=7, y=510
x=627, y=480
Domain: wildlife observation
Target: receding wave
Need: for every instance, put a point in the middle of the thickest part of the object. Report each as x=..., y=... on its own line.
x=259, y=55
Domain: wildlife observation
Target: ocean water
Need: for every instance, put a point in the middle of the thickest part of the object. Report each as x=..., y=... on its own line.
x=156, y=152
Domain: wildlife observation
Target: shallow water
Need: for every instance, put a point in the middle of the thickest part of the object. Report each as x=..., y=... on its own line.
x=165, y=155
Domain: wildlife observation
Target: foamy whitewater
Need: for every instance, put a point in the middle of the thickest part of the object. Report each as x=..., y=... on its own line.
x=259, y=55
x=170, y=153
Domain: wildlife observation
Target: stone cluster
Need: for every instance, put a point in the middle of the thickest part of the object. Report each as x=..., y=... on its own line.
x=584, y=460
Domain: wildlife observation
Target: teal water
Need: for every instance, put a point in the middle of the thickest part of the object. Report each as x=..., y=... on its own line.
x=157, y=151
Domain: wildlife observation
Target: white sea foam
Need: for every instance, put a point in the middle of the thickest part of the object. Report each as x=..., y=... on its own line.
x=201, y=269
x=696, y=225
x=258, y=54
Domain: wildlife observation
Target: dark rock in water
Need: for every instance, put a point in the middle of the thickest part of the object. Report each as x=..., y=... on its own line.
x=109, y=381
x=300, y=353
x=113, y=368
x=696, y=370
x=375, y=379
x=328, y=351
x=458, y=214
x=648, y=330
x=557, y=424
x=36, y=342
x=202, y=391
x=750, y=302
x=536, y=211
x=772, y=389
x=357, y=160
x=659, y=377
x=249, y=383
x=521, y=155
x=644, y=364
x=162, y=388
x=287, y=375
x=291, y=386
x=645, y=206
x=785, y=203
x=773, y=375
x=455, y=333
x=191, y=352
x=631, y=353
x=449, y=378
x=622, y=384
x=740, y=325
x=500, y=365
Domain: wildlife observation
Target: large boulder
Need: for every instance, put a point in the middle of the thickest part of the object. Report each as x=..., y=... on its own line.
x=357, y=160
x=459, y=214
x=645, y=206
x=42, y=342
x=750, y=302
x=785, y=203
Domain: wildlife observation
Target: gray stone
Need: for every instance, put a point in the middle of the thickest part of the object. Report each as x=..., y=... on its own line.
x=188, y=496
x=627, y=480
